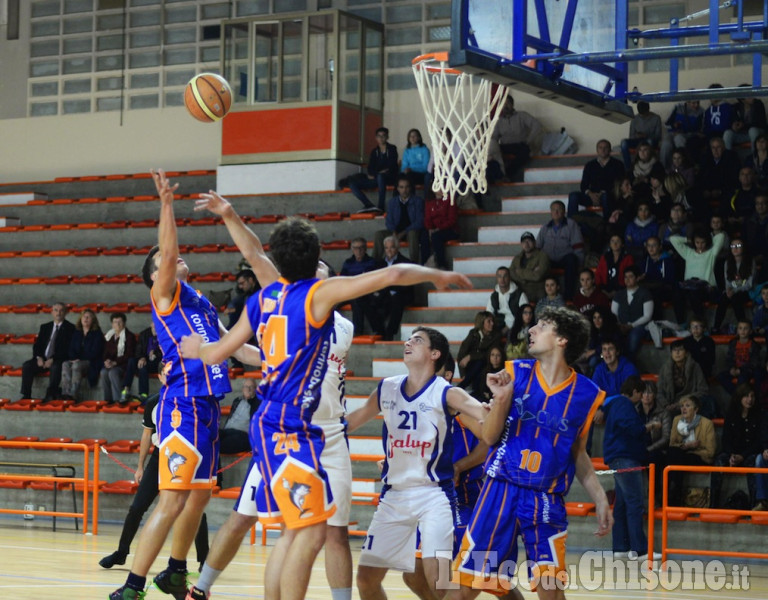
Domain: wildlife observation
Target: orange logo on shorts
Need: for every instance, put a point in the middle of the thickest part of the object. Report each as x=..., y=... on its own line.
x=175, y=418
x=178, y=461
x=299, y=491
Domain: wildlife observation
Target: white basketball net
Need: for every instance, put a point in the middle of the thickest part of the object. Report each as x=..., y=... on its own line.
x=461, y=116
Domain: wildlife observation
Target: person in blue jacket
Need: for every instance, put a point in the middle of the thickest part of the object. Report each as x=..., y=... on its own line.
x=613, y=371
x=415, y=161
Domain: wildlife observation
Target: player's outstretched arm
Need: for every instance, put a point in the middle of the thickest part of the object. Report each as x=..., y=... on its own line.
x=585, y=473
x=460, y=402
x=246, y=241
x=164, y=286
x=365, y=413
x=339, y=289
x=213, y=353
x=247, y=354
x=502, y=388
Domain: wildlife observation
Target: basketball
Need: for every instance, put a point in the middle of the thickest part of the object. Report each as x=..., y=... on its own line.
x=208, y=97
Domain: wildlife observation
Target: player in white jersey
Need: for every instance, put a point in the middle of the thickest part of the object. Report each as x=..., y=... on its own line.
x=418, y=490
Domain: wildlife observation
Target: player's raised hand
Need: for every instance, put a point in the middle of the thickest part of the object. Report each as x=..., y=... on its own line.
x=212, y=202
x=164, y=188
x=445, y=279
x=190, y=345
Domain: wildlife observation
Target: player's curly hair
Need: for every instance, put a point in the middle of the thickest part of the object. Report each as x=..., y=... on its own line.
x=149, y=266
x=570, y=325
x=437, y=341
x=295, y=248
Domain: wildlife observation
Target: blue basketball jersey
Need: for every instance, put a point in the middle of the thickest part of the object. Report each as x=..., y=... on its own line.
x=535, y=449
x=294, y=347
x=464, y=441
x=190, y=312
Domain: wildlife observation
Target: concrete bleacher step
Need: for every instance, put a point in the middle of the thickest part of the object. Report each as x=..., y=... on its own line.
x=538, y=204
x=389, y=367
x=458, y=298
x=471, y=266
x=455, y=332
x=505, y=233
x=554, y=174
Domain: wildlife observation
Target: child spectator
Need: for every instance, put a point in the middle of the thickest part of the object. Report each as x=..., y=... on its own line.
x=677, y=225
x=739, y=273
x=415, y=161
x=473, y=352
x=743, y=359
x=494, y=364
x=660, y=200
x=633, y=307
x=609, y=275
x=699, y=279
x=517, y=338
x=638, y=231
x=657, y=274
x=760, y=314
x=700, y=346
x=621, y=206
x=603, y=327
x=552, y=297
x=588, y=298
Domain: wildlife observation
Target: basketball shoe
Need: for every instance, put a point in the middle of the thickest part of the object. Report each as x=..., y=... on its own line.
x=173, y=583
x=126, y=593
x=196, y=594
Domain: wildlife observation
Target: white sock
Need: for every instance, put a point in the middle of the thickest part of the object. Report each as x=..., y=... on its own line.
x=341, y=593
x=208, y=577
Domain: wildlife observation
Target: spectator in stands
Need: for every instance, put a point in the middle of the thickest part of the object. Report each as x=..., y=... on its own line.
x=588, y=298
x=698, y=283
x=761, y=479
x=415, y=161
x=494, y=364
x=638, y=231
x=700, y=346
x=441, y=225
x=387, y=305
x=473, y=352
x=624, y=451
x=676, y=225
x=742, y=440
x=742, y=201
x=742, y=361
x=562, y=242
x=84, y=356
x=382, y=171
x=613, y=371
x=518, y=134
x=692, y=442
x=504, y=301
x=552, y=297
x=644, y=127
x=754, y=232
x=660, y=421
x=603, y=327
x=146, y=362
x=681, y=165
x=718, y=118
x=659, y=199
x=246, y=287
x=404, y=220
x=760, y=314
x=685, y=130
x=748, y=121
x=517, y=338
x=622, y=207
x=233, y=436
x=357, y=264
x=657, y=274
x=739, y=274
x=641, y=167
x=679, y=377
x=119, y=348
x=597, y=180
x=529, y=268
x=719, y=173
x=50, y=350
x=716, y=226
x=633, y=307
x=758, y=160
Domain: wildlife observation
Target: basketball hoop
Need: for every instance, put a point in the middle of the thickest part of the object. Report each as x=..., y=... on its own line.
x=461, y=116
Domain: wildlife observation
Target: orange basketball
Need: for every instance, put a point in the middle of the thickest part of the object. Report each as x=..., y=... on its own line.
x=208, y=97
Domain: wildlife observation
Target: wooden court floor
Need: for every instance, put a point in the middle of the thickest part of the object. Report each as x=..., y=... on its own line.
x=37, y=563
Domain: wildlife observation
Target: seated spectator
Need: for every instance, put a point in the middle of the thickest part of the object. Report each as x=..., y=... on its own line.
x=684, y=130
x=659, y=199
x=382, y=171
x=404, y=220
x=679, y=377
x=638, y=231
x=758, y=160
x=494, y=364
x=504, y=301
x=529, y=268
x=233, y=436
x=681, y=165
x=692, y=442
x=754, y=232
x=517, y=338
x=739, y=273
x=633, y=307
x=761, y=479
x=588, y=298
x=748, y=121
x=719, y=173
x=357, y=264
x=660, y=421
x=613, y=370
x=742, y=202
x=622, y=206
x=85, y=351
x=597, y=181
x=518, y=134
x=657, y=275
x=698, y=283
x=645, y=127
x=146, y=362
x=247, y=286
x=716, y=226
x=441, y=225
x=742, y=440
x=641, y=166
x=415, y=162
x=624, y=451
x=700, y=346
x=552, y=297
x=676, y=225
x=718, y=118
x=609, y=275
x=562, y=242
x=473, y=352
x=742, y=361
x=119, y=348
x=387, y=305
x=50, y=350
x=760, y=314
x=603, y=327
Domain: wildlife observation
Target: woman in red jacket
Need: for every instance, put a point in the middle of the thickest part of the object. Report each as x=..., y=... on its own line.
x=441, y=218
x=609, y=276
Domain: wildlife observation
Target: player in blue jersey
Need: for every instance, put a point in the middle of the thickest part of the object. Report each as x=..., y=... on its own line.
x=418, y=473
x=537, y=427
x=188, y=411
x=291, y=320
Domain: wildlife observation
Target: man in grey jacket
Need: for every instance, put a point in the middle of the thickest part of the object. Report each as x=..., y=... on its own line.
x=562, y=242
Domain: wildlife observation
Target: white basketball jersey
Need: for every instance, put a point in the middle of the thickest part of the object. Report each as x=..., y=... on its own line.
x=417, y=433
x=332, y=403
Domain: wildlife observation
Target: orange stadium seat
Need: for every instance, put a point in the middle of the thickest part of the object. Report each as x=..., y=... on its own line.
x=115, y=225
x=89, y=200
x=123, y=486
